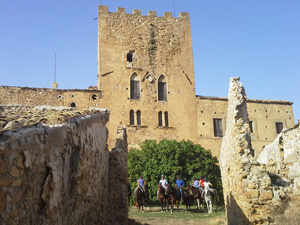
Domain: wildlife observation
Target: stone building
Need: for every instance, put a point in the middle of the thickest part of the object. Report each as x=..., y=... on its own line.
x=146, y=80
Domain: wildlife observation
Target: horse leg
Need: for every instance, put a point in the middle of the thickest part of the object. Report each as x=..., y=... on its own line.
x=198, y=204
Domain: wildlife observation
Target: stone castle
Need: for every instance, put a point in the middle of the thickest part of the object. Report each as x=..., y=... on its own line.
x=146, y=80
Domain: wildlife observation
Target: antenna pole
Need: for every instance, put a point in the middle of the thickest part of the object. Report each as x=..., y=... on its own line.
x=55, y=68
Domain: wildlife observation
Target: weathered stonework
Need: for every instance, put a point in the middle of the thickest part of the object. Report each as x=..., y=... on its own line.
x=59, y=174
x=252, y=195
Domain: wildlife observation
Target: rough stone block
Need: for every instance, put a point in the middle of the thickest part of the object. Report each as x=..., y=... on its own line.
x=5, y=181
x=18, y=182
x=3, y=167
x=13, y=213
x=2, y=201
x=17, y=197
x=14, y=171
x=251, y=194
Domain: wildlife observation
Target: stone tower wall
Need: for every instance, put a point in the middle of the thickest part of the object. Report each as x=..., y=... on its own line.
x=160, y=46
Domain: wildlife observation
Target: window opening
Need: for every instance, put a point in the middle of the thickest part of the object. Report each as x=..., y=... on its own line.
x=218, y=129
x=166, y=119
x=131, y=117
x=73, y=104
x=162, y=89
x=129, y=56
x=160, y=118
x=94, y=97
x=251, y=126
x=279, y=127
x=134, y=87
x=138, y=118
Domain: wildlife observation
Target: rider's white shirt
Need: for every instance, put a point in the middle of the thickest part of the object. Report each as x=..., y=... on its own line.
x=206, y=185
x=163, y=183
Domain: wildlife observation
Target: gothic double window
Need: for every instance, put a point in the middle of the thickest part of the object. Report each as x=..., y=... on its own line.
x=135, y=118
x=163, y=118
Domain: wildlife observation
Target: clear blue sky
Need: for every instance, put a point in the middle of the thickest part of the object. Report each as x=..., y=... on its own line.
x=258, y=40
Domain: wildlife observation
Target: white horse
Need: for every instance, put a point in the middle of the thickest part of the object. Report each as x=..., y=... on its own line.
x=208, y=200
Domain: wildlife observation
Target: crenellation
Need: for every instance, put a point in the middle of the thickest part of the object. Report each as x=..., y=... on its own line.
x=184, y=15
x=121, y=10
x=137, y=12
x=103, y=9
x=168, y=14
x=152, y=13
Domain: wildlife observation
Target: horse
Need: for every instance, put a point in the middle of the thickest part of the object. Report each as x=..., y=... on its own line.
x=141, y=197
x=197, y=194
x=175, y=197
x=162, y=197
x=187, y=199
x=210, y=196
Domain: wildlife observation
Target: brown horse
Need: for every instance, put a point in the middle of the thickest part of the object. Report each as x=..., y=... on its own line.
x=141, y=197
x=197, y=194
x=174, y=196
x=187, y=199
x=162, y=197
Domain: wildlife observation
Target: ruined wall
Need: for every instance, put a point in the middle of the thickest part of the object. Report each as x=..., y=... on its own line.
x=55, y=174
x=159, y=46
x=81, y=99
x=263, y=113
x=250, y=195
x=282, y=158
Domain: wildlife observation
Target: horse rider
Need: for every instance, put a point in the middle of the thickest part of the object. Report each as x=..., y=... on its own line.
x=141, y=184
x=201, y=185
x=195, y=183
x=163, y=183
x=180, y=184
x=206, y=184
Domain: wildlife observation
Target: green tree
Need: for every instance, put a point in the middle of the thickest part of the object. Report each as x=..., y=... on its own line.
x=171, y=158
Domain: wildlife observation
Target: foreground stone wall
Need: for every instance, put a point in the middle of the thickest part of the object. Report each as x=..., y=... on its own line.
x=55, y=174
x=251, y=196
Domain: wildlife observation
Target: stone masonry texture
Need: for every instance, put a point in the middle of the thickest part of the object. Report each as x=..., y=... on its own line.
x=59, y=174
x=252, y=194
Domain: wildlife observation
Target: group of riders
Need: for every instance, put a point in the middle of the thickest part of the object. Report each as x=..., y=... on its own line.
x=201, y=184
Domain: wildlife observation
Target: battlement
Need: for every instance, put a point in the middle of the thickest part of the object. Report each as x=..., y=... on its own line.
x=103, y=10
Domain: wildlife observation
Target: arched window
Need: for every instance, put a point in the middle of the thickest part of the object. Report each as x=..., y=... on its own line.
x=166, y=119
x=134, y=86
x=138, y=118
x=160, y=118
x=162, y=89
x=131, y=117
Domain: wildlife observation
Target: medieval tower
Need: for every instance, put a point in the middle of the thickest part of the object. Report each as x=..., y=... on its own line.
x=146, y=75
